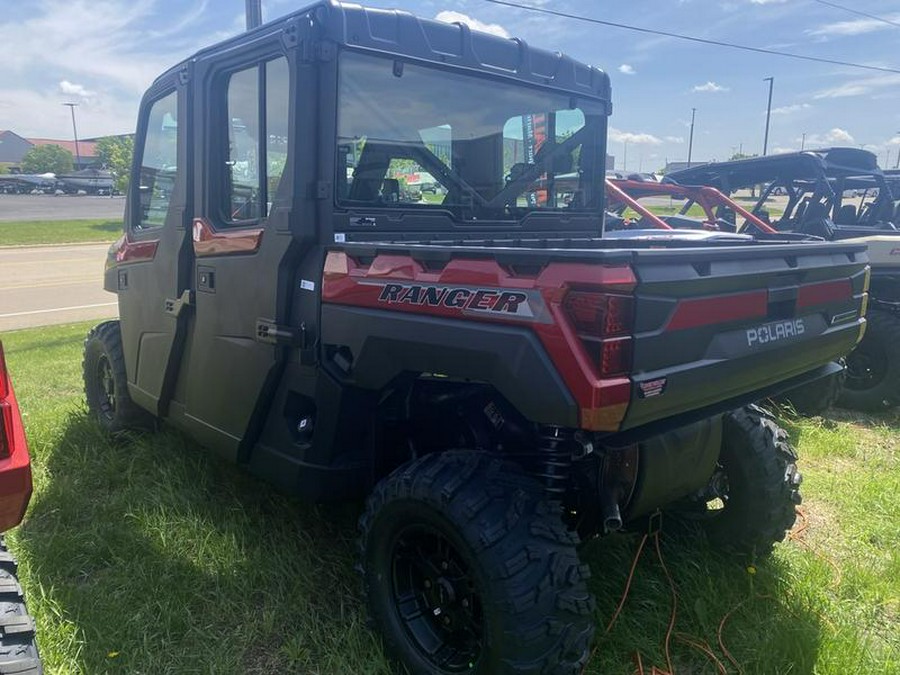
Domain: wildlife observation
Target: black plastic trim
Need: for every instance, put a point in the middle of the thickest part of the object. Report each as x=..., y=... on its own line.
x=512, y=359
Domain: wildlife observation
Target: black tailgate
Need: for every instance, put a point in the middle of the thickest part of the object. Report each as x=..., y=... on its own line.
x=714, y=325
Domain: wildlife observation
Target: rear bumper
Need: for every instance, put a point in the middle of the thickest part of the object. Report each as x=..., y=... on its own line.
x=720, y=382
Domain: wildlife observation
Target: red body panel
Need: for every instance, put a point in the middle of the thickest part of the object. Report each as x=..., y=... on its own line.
x=15, y=468
x=209, y=241
x=695, y=312
x=125, y=251
x=482, y=290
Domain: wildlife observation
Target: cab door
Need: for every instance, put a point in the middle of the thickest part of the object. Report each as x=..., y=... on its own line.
x=152, y=275
x=241, y=245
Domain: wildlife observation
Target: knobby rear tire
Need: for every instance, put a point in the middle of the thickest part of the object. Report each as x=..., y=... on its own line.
x=523, y=570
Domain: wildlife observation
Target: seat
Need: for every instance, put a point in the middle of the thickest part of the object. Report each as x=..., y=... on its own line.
x=390, y=191
x=846, y=215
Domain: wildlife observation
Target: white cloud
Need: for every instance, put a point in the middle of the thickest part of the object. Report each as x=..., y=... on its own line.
x=835, y=136
x=767, y=2
x=788, y=109
x=449, y=16
x=859, y=86
x=73, y=89
x=709, y=87
x=675, y=139
x=626, y=69
x=780, y=150
x=838, y=135
x=618, y=136
x=105, y=64
x=854, y=27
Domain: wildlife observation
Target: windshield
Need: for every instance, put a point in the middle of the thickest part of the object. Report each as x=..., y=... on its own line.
x=425, y=138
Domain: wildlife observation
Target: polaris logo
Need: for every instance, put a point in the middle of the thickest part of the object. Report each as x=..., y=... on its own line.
x=772, y=332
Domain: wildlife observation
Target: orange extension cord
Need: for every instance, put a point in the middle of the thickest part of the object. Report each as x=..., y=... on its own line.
x=695, y=643
x=699, y=645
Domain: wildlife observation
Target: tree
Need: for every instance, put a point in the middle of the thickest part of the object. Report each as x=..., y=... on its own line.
x=114, y=153
x=741, y=155
x=47, y=159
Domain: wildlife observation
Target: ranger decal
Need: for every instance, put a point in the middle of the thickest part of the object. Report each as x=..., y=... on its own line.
x=485, y=300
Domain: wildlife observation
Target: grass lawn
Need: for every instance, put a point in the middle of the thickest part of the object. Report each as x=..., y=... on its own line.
x=147, y=555
x=39, y=232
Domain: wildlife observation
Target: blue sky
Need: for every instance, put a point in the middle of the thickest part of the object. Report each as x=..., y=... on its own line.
x=103, y=53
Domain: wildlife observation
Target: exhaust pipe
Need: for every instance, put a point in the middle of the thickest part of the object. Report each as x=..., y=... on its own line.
x=254, y=13
x=612, y=517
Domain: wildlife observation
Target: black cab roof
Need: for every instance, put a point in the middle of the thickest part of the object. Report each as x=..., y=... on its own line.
x=399, y=33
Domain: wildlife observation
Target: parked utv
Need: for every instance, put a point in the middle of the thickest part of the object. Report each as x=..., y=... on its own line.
x=18, y=649
x=495, y=377
x=837, y=194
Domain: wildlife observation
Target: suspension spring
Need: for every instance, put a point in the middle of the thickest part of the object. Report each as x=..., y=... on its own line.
x=553, y=459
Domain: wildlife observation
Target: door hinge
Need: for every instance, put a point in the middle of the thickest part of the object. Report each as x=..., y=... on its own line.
x=271, y=333
x=174, y=307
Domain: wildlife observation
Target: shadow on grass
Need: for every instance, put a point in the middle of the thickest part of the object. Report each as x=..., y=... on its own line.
x=172, y=561
x=152, y=556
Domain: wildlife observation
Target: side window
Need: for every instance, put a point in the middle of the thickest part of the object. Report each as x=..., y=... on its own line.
x=257, y=104
x=158, y=162
x=277, y=100
x=243, y=145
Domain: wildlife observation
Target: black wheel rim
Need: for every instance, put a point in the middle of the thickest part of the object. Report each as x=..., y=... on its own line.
x=436, y=599
x=866, y=367
x=106, y=387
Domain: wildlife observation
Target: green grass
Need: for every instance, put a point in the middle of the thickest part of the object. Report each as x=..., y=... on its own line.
x=39, y=232
x=148, y=555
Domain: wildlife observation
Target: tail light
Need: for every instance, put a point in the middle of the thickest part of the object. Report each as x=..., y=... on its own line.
x=603, y=322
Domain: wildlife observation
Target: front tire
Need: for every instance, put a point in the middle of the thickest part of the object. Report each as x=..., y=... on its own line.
x=873, y=368
x=106, y=383
x=750, y=502
x=468, y=568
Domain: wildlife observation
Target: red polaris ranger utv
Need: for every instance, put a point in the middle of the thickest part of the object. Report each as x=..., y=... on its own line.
x=498, y=379
x=18, y=649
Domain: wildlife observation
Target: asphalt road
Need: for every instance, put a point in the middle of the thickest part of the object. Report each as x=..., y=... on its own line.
x=60, y=207
x=44, y=285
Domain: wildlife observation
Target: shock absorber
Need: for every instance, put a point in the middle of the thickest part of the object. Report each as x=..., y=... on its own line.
x=556, y=447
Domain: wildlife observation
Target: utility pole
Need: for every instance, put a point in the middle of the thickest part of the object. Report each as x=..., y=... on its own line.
x=691, y=140
x=802, y=141
x=897, y=165
x=625, y=156
x=253, y=13
x=771, y=81
x=72, y=107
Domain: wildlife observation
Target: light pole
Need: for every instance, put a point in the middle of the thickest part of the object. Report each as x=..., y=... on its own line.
x=75, y=133
x=691, y=139
x=802, y=141
x=897, y=165
x=771, y=81
x=625, y=156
